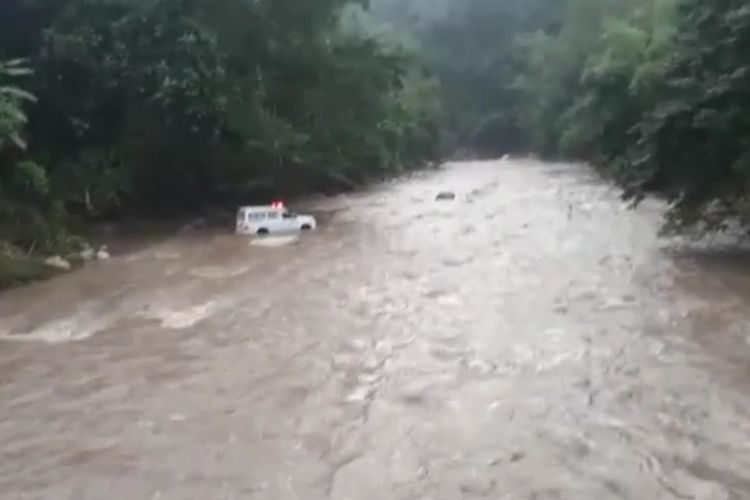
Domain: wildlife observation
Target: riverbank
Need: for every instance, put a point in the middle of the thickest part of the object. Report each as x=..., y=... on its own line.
x=18, y=268
x=21, y=268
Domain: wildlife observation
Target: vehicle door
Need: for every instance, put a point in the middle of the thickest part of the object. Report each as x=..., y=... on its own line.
x=274, y=222
x=241, y=224
x=290, y=221
x=255, y=220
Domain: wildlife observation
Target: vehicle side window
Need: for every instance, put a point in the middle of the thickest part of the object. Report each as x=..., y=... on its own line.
x=273, y=215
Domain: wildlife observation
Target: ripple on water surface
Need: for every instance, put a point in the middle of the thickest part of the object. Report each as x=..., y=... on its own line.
x=275, y=241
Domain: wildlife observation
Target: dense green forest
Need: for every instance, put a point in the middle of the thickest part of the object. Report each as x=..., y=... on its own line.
x=118, y=107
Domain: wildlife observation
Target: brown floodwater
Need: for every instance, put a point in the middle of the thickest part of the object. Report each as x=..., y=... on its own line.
x=532, y=339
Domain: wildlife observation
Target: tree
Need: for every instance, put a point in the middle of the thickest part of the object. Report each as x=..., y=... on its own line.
x=25, y=205
x=470, y=47
x=695, y=141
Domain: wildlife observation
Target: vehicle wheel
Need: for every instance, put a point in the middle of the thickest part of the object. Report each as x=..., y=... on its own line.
x=306, y=227
x=262, y=231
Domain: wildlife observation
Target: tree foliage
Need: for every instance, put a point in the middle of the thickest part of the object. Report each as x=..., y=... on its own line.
x=696, y=140
x=470, y=45
x=656, y=94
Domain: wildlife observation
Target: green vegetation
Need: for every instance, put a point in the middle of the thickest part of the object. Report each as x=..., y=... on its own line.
x=122, y=107
x=471, y=46
x=656, y=92
x=18, y=268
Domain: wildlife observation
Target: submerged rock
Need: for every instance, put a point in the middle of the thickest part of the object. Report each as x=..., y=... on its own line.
x=58, y=262
x=445, y=196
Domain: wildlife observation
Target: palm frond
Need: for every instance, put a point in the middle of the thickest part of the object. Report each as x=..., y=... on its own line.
x=16, y=92
x=15, y=71
x=20, y=61
x=18, y=141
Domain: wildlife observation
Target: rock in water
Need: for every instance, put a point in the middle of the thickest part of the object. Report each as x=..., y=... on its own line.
x=87, y=254
x=445, y=196
x=58, y=262
x=103, y=253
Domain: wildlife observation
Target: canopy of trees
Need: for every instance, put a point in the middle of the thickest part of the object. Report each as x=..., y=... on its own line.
x=470, y=45
x=118, y=106
x=657, y=93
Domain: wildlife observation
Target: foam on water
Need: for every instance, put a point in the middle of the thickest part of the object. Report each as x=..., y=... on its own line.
x=219, y=272
x=64, y=330
x=180, y=319
x=275, y=241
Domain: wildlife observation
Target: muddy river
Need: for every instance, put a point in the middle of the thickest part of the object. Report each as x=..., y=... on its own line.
x=531, y=340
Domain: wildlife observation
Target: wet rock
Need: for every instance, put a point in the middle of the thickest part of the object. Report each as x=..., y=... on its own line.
x=446, y=196
x=87, y=254
x=103, y=253
x=58, y=262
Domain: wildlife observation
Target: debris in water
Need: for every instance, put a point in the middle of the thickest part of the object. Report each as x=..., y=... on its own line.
x=445, y=196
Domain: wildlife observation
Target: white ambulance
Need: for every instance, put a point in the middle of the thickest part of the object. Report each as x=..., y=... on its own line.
x=270, y=219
